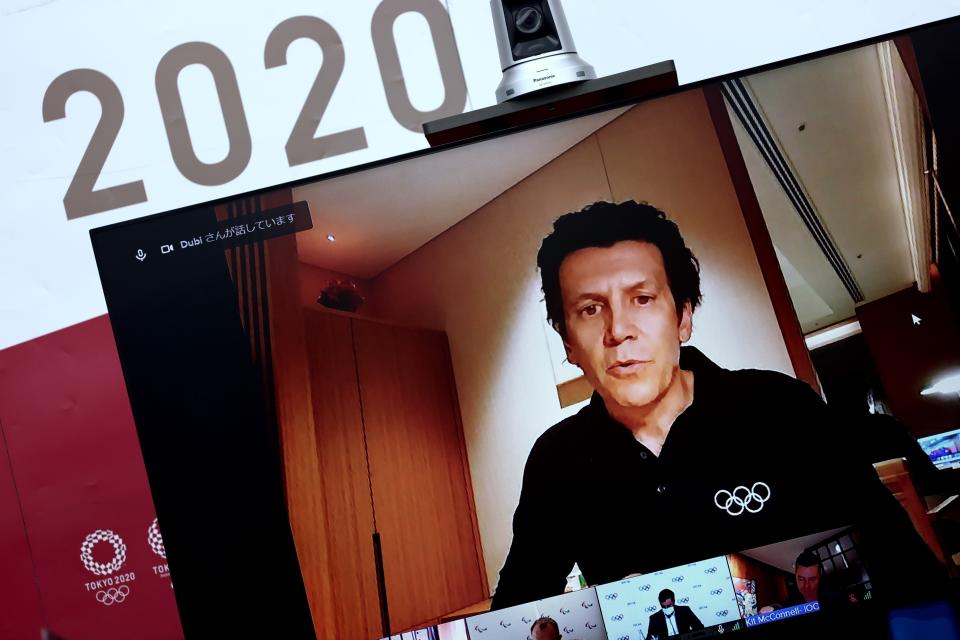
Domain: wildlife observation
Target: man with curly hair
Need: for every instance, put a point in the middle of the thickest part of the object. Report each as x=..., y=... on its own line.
x=676, y=459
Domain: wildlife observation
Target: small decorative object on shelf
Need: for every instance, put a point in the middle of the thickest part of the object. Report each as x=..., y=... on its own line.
x=343, y=295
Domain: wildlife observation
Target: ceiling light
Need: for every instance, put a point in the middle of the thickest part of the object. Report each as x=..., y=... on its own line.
x=945, y=385
x=331, y=237
x=833, y=333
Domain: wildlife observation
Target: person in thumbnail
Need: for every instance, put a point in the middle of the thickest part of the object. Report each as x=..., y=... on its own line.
x=545, y=628
x=672, y=619
x=806, y=572
x=675, y=458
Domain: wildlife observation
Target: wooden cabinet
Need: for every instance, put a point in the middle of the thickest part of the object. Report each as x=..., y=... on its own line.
x=392, y=460
x=346, y=521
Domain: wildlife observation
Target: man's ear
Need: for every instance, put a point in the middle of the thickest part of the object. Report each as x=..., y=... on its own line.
x=686, y=322
x=566, y=347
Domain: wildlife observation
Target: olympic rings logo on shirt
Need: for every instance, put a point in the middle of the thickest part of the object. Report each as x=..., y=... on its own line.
x=113, y=596
x=742, y=499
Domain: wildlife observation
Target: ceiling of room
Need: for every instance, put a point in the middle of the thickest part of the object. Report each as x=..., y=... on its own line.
x=379, y=216
x=830, y=119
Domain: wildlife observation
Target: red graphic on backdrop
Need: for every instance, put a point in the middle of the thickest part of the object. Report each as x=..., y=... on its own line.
x=156, y=540
x=103, y=568
x=106, y=593
x=75, y=459
x=156, y=543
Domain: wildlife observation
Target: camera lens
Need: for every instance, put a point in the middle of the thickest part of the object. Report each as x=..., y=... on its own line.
x=528, y=20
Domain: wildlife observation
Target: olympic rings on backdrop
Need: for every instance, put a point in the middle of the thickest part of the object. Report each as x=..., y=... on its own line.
x=113, y=596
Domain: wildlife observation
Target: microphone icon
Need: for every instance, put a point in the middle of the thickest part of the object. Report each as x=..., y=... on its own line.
x=141, y=255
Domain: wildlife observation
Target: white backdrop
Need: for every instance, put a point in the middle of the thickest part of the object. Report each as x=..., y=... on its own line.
x=577, y=614
x=448, y=631
x=48, y=276
x=706, y=587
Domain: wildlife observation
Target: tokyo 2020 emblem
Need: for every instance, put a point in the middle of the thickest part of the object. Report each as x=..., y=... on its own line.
x=156, y=540
x=103, y=568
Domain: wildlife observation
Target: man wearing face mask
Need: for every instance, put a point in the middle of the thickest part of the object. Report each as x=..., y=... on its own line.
x=672, y=619
x=678, y=459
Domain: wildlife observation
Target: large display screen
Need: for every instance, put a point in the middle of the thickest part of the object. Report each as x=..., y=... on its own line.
x=549, y=384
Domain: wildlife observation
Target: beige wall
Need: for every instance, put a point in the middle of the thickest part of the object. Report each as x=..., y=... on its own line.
x=478, y=282
x=666, y=152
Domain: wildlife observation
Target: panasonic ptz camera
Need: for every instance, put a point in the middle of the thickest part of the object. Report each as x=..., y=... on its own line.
x=536, y=48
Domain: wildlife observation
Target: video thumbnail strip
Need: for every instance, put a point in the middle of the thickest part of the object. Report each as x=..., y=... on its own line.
x=774, y=583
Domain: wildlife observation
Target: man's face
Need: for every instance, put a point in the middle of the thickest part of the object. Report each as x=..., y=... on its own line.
x=808, y=580
x=545, y=631
x=666, y=604
x=622, y=327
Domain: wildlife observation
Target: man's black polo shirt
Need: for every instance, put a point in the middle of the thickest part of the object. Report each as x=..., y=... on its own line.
x=592, y=494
